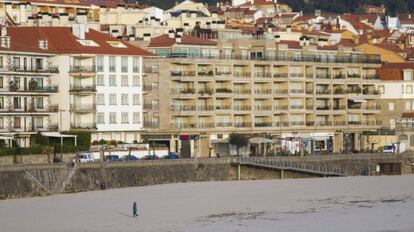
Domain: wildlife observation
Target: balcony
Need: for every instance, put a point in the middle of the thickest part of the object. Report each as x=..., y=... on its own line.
x=339, y=91
x=242, y=91
x=280, y=75
x=263, y=91
x=296, y=75
x=280, y=124
x=34, y=89
x=243, y=75
x=224, y=124
x=339, y=108
x=83, y=88
x=285, y=107
x=297, y=91
x=323, y=123
x=83, y=126
x=205, y=108
x=223, y=107
x=206, y=73
x=52, y=127
x=297, y=123
x=224, y=90
x=242, y=108
x=323, y=91
x=151, y=107
x=323, y=108
x=183, y=108
x=263, y=108
x=205, y=91
x=82, y=69
x=181, y=74
x=354, y=75
x=297, y=107
x=49, y=69
x=355, y=58
x=370, y=92
x=262, y=75
x=83, y=107
x=339, y=123
x=223, y=73
x=280, y=91
x=242, y=124
x=205, y=125
x=371, y=77
x=376, y=107
x=183, y=91
x=262, y=124
x=323, y=76
x=339, y=76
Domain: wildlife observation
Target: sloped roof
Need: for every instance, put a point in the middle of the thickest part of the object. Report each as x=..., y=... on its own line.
x=62, y=41
x=166, y=41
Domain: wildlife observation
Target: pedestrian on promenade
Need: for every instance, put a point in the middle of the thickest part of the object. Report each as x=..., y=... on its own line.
x=135, y=210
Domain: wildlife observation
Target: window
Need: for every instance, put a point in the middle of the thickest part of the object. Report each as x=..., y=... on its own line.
x=392, y=123
x=136, y=117
x=100, y=99
x=391, y=106
x=112, y=118
x=39, y=122
x=16, y=62
x=112, y=80
x=17, y=82
x=136, y=99
x=1, y=102
x=112, y=99
x=99, y=64
x=412, y=140
x=408, y=75
x=124, y=99
x=155, y=104
x=16, y=122
x=124, y=118
x=100, y=118
x=409, y=89
x=1, y=122
x=39, y=82
x=1, y=82
x=135, y=80
x=1, y=62
x=112, y=64
x=408, y=105
x=155, y=87
x=124, y=80
x=124, y=63
x=39, y=103
x=135, y=64
x=100, y=80
x=381, y=89
x=17, y=102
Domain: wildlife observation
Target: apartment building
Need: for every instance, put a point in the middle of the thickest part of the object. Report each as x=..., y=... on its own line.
x=291, y=90
x=25, y=90
x=97, y=87
x=397, y=101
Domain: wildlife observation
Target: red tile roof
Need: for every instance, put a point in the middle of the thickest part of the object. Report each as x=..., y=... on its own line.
x=291, y=44
x=258, y=3
x=46, y=2
x=390, y=74
x=166, y=41
x=405, y=65
x=62, y=41
x=390, y=47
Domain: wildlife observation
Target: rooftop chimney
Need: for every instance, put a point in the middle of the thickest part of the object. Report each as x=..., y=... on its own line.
x=178, y=39
x=79, y=30
x=171, y=34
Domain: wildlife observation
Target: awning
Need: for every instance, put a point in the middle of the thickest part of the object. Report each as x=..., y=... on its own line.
x=220, y=141
x=260, y=140
x=58, y=135
x=359, y=100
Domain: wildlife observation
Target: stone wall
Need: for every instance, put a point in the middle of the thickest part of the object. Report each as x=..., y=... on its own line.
x=34, y=159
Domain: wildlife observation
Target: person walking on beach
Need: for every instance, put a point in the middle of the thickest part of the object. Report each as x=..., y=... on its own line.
x=135, y=210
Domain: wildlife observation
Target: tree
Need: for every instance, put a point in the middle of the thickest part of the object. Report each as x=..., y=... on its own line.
x=238, y=140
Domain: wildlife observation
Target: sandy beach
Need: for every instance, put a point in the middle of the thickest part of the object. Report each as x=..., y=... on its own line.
x=366, y=204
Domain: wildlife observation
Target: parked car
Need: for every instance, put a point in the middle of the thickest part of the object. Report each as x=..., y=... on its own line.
x=394, y=148
x=171, y=156
x=129, y=158
x=150, y=157
x=84, y=157
x=111, y=158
